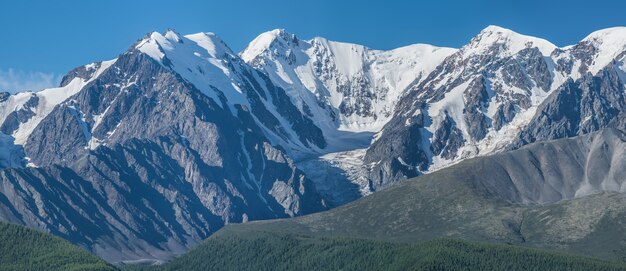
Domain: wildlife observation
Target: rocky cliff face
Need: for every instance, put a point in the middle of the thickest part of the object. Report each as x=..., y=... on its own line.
x=579, y=107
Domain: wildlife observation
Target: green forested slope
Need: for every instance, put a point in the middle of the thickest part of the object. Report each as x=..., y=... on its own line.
x=274, y=251
x=22, y=248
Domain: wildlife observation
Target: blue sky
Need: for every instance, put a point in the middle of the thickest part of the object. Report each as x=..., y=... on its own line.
x=41, y=40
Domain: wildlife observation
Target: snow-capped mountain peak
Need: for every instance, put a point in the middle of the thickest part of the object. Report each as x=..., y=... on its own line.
x=506, y=41
x=214, y=45
x=609, y=43
x=157, y=44
x=615, y=36
x=203, y=59
x=171, y=34
x=277, y=38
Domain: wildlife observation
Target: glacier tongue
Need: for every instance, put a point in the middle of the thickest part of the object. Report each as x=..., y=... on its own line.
x=340, y=177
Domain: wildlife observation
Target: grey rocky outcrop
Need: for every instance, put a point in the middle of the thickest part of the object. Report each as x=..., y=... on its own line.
x=447, y=139
x=19, y=116
x=578, y=107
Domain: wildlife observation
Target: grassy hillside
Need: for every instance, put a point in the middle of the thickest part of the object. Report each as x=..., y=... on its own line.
x=272, y=251
x=22, y=248
x=476, y=200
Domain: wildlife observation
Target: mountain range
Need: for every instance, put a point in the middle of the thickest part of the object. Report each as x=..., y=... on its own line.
x=143, y=156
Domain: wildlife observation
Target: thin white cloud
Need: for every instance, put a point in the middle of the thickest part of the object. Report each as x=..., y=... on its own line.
x=12, y=80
